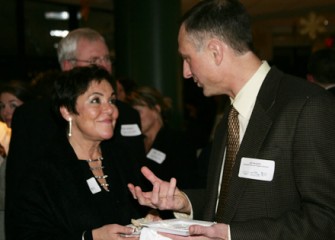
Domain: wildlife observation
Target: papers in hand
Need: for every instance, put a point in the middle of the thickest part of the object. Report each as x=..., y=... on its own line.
x=175, y=226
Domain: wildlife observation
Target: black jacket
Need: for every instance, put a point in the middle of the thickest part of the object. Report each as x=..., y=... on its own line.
x=33, y=128
x=56, y=202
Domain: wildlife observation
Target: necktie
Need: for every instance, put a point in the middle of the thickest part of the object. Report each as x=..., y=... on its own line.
x=231, y=151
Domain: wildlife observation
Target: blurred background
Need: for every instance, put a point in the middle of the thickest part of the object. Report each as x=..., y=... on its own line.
x=142, y=37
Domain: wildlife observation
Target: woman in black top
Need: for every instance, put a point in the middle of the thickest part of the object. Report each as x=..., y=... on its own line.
x=79, y=189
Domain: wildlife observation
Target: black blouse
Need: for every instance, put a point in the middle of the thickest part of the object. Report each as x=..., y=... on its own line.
x=57, y=203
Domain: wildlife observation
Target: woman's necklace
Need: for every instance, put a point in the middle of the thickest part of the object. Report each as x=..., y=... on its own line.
x=97, y=169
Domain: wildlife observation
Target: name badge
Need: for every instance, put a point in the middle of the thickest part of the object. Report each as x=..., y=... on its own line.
x=257, y=169
x=156, y=155
x=130, y=130
x=93, y=185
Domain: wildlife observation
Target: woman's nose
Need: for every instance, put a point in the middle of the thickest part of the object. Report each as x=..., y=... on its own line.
x=110, y=108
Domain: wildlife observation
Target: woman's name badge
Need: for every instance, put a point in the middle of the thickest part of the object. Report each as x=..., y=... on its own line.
x=156, y=155
x=130, y=130
x=257, y=169
x=93, y=185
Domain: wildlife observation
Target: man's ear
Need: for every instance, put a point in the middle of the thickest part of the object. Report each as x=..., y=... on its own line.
x=216, y=49
x=65, y=113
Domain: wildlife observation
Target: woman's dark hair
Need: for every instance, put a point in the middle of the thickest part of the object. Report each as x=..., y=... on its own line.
x=150, y=97
x=18, y=88
x=71, y=84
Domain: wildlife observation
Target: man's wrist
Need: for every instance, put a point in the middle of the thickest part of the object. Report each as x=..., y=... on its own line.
x=186, y=213
x=188, y=205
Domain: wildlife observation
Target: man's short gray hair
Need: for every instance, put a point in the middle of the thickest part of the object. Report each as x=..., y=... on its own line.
x=67, y=46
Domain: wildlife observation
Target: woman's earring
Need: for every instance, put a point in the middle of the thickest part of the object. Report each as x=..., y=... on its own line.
x=70, y=128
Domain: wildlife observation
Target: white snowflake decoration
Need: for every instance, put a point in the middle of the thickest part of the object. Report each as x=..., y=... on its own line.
x=312, y=25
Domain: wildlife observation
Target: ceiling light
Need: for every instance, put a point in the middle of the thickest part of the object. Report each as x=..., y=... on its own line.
x=57, y=15
x=59, y=33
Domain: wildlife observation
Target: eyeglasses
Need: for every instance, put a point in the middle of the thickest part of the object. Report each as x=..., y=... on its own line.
x=95, y=60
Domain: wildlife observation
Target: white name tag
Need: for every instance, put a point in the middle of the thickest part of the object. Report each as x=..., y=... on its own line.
x=258, y=169
x=93, y=185
x=156, y=155
x=130, y=130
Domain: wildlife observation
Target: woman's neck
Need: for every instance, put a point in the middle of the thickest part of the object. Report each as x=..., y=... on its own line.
x=85, y=149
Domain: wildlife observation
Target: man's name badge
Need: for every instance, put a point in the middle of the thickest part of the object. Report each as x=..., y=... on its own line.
x=257, y=169
x=130, y=130
x=93, y=185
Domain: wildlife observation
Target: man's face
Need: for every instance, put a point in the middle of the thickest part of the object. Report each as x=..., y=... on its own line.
x=198, y=64
x=92, y=51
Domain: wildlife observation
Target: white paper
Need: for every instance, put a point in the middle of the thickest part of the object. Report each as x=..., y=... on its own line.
x=175, y=226
x=151, y=234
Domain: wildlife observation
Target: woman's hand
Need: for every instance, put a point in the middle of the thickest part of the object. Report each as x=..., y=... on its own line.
x=164, y=195
x=113, y=232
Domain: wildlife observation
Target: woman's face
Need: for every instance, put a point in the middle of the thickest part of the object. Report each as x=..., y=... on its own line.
x=149, y=118
x=8, y=104
x=97, y=113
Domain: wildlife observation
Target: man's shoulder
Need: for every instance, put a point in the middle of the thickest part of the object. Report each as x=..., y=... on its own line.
x=332, y=90
x=290, y=84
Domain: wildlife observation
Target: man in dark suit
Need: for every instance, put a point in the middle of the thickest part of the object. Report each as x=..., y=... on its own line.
x=321, y=69
x=34, y=125
x=282, y=181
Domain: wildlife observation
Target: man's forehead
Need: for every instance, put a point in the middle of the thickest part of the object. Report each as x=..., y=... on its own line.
x=92, y=47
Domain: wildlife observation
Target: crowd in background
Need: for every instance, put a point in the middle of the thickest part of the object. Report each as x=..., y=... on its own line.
x=168, y=150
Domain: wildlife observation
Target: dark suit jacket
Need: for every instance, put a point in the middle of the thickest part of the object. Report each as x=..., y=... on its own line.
x=292, y=124
x=332, y=90
x=33, y=128
x=56, y=202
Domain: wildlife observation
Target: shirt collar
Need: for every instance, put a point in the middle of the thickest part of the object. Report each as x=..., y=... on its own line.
x=246, y=97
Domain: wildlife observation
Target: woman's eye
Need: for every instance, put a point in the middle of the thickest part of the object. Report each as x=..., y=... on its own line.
x=95, y=100
x=13, y=106
x=112, y=101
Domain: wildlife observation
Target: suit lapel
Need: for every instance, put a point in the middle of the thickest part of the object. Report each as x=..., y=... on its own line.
x=215, y=164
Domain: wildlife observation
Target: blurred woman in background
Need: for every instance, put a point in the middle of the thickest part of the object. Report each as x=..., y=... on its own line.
x=168, y=152
x=12, y=95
